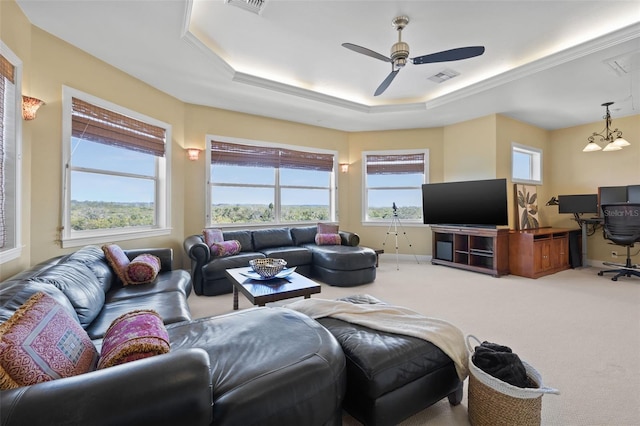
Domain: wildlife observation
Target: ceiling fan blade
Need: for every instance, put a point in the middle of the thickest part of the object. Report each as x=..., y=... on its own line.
x=450, y=55
x=366, y=51
x=387, y=81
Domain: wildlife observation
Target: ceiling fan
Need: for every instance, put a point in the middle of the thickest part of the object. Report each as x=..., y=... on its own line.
x=400, y=54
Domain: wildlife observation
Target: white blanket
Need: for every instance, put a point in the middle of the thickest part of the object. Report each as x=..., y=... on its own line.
x=393, y=319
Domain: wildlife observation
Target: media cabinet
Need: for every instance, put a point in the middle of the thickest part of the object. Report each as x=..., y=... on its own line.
x=484, y=250
x=534, y=253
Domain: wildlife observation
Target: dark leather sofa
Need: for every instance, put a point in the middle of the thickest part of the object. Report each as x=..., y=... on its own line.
x=266, y=366
x=342, y=265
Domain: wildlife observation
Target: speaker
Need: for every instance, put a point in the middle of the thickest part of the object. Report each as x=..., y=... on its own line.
x=444, y=250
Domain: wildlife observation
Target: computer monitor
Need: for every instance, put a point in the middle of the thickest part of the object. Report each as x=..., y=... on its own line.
x=583, y=203
x=633, y=193
x=612, y=194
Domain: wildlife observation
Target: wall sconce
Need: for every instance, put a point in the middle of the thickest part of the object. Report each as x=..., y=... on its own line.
x=193, y=153
x=344, y=167
x=30, y=107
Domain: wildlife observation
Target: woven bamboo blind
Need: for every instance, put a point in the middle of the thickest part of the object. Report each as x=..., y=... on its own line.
x=100, y=125
x=385, y=164
x=7, y=70
x=265, y=156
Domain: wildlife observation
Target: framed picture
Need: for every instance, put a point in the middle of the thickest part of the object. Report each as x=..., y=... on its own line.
x=527, y=206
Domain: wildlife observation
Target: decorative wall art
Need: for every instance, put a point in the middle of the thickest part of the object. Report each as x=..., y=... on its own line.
x=527, y=203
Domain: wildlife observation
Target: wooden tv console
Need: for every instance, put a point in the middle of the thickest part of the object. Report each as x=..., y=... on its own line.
x=484, y=250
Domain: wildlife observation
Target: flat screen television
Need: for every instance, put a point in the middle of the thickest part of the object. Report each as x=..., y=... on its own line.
x=467, y=203
x=583, y=203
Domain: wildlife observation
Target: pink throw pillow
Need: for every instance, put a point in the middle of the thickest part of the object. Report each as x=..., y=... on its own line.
x=225, y=248
x=134, y=335
x=328, y=239
x=42, y=342
x=143, y=269
x=327, y=228
x=118, y=260
x=212, y=235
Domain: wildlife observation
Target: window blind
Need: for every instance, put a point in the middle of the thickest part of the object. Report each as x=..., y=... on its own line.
x=385, y=164
x=100, y=125
x=7, y=99
x=265, y=156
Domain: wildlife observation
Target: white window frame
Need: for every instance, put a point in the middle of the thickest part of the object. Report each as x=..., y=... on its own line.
x=15, y=251
x=333, y=209
x=535, y=163
x=162, y=225
x=365, y=185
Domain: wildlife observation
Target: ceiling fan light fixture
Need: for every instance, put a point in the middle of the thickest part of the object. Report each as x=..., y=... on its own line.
x=400, y=54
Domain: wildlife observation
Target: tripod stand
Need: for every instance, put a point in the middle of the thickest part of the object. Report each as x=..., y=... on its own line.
x=395, y=222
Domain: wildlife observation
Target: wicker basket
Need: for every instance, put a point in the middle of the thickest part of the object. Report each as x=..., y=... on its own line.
x=267, y=267
x=493, y=402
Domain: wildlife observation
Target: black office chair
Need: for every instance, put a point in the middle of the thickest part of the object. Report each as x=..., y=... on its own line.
x=622, y=227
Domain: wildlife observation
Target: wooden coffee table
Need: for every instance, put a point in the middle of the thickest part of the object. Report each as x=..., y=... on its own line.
x=260, y=292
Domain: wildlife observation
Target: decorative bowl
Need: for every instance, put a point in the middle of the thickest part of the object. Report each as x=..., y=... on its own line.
x=268, y=267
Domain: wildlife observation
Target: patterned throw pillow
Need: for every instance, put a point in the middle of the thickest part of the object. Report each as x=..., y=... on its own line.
x=328, y=239
x=143, y=269
x=212, y=235
x=118, y=260
x=225, y=248
x=41, y=342
x=327, y=228
x=134, y=335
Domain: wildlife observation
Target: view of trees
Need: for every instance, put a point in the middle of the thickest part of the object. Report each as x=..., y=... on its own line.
x=259, y=213
x=86, y=215
x=386, y=213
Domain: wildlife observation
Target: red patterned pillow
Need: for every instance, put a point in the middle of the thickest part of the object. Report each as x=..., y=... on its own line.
x=212, y=235
x=327, y=228
x=117, y=260
x=134, y=335
x=225, y=248
x=143, y=269
x=41, y=342
x=328, y=239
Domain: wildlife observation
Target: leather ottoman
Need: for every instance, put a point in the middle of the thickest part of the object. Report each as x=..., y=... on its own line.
x=390, y=377
x=343, y=266
x=269, y=366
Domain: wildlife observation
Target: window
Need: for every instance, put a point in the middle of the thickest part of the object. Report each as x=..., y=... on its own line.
x=10, y=154
x=526, y=164
x=254, y=183
x=116, y=172
x=394, y=179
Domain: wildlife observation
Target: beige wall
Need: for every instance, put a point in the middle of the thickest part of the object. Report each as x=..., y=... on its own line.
x=476, y=149
x=470, y=150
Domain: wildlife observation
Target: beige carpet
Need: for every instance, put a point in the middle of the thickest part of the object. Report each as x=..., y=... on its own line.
x=579, y=330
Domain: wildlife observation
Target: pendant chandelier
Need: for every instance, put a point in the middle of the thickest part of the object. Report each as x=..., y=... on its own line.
x=612, y=138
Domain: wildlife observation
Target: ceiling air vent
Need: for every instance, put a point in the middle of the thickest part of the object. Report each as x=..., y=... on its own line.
x=254, y=6
x=624, y=64
x=444, y=75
